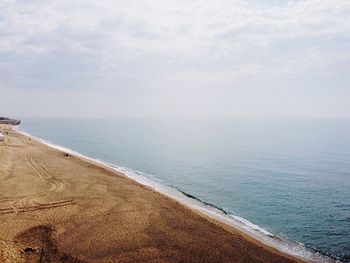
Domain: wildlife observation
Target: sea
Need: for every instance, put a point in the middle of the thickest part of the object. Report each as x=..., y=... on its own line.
x=285, y=182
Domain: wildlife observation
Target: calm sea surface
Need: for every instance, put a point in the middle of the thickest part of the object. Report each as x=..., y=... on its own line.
x=290, y=177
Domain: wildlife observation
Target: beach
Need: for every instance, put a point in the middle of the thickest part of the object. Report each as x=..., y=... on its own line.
x=57, y=207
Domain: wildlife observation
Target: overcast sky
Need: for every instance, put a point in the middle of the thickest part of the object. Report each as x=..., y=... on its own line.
x=175, y=59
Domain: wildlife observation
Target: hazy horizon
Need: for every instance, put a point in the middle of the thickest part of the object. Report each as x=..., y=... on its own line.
x=175, y=59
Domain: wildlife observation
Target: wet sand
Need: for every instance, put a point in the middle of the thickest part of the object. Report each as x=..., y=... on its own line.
x=56, y=207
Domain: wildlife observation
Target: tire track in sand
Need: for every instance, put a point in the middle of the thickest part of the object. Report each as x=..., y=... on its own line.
x=36, y=207
x=29, y=203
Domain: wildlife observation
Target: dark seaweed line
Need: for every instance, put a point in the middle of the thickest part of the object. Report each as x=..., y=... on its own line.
x=229, y=214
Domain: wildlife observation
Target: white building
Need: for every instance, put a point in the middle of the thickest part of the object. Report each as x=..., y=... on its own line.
x=2, y=137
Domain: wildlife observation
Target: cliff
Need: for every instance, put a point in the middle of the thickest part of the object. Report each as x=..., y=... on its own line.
x=4, y=120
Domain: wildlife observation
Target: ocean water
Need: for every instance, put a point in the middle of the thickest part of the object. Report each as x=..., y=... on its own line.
x=289, y=177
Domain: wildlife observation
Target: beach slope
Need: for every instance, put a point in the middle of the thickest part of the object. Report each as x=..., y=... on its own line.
x=55, y=207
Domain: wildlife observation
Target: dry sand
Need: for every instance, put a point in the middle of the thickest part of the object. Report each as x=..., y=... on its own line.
x=57, y=208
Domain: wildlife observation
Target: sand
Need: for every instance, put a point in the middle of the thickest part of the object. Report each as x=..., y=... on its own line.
x=59, y=208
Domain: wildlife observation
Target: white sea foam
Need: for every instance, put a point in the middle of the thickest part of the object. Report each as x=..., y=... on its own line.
x=295, y=249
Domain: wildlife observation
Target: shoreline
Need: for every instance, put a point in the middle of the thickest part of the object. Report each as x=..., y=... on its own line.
x=217, y=215
x=197, y=206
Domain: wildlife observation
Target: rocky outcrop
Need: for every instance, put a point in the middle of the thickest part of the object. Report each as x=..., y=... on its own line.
x=4, y=120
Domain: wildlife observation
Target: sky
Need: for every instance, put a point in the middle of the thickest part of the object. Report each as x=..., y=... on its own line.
x=200, y=59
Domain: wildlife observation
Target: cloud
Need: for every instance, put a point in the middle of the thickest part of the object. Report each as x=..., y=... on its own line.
x=174, y=28
x=147, y=45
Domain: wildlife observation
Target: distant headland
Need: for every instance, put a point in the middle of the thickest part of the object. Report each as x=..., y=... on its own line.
x=4, y=120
